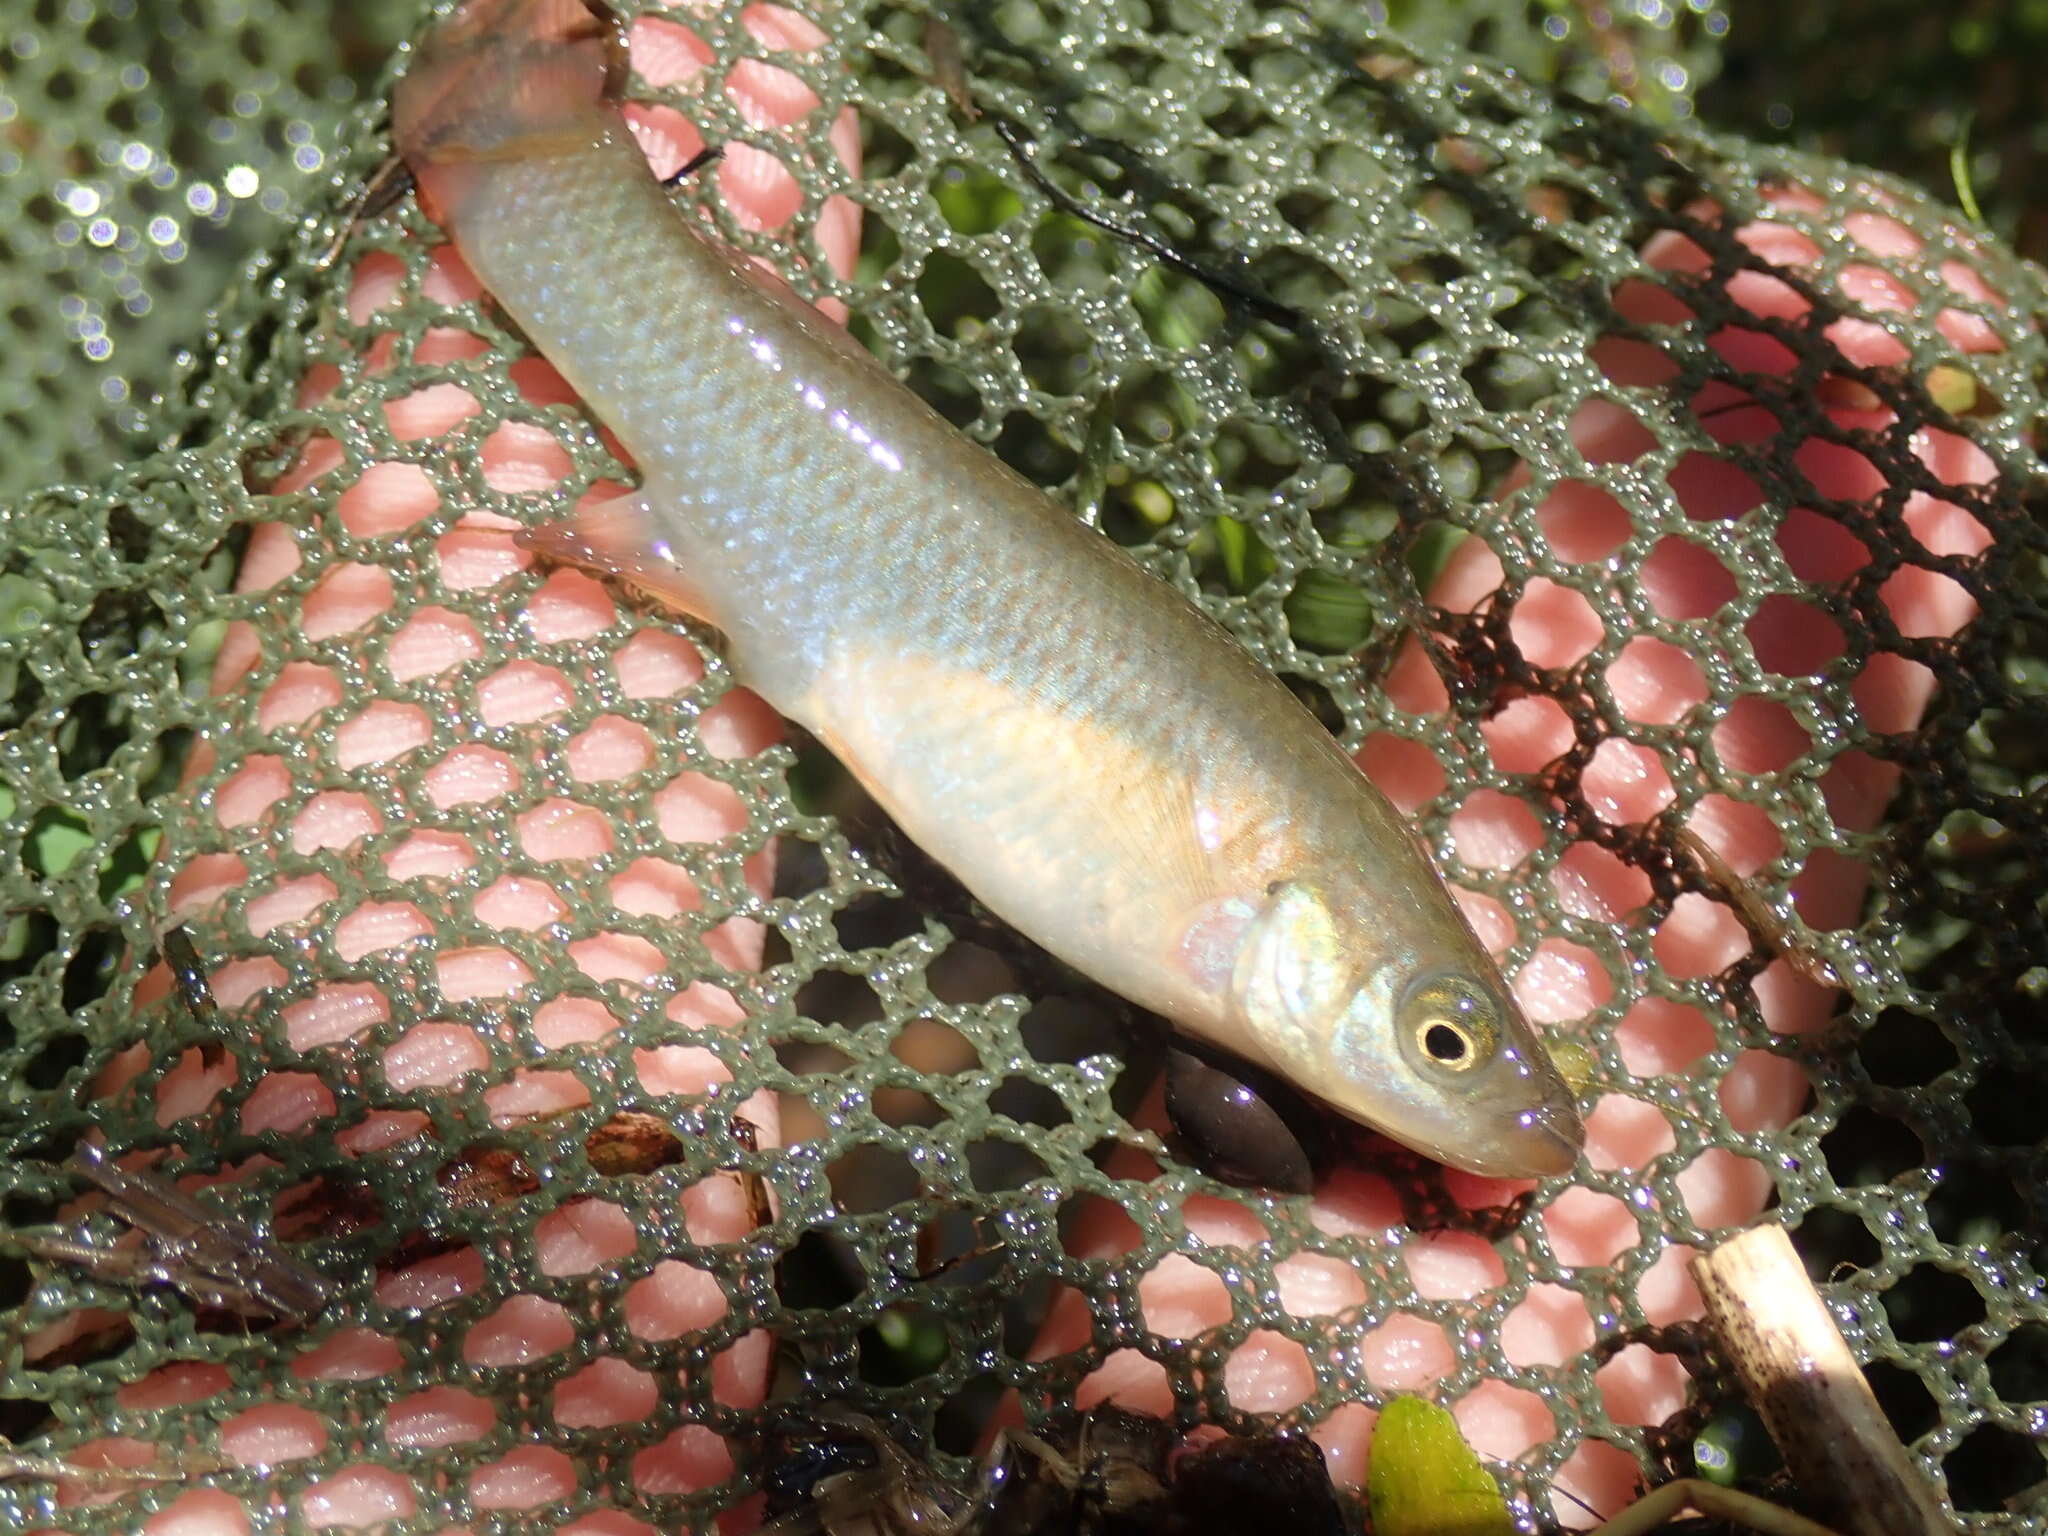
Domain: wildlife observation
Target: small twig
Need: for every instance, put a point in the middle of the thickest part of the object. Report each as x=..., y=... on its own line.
x=1653, y=1509
x=930, y=1269
x=216, y=1259
x=1765, y=926
x=1775, y=1330
x=1282, y=315
x=386, y=187
x=690, y=167
x=949, y=66
x=25, y=1466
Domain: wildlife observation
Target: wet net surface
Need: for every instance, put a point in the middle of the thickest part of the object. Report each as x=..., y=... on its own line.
x=1650, y=512
x=151, y=149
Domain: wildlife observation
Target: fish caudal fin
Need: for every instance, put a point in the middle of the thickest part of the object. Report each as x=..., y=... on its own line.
x=508, y=80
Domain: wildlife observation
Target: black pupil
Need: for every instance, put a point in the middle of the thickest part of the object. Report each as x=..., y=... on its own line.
x=1444, y=1043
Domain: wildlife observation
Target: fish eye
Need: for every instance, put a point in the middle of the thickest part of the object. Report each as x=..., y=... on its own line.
x=1454, y=1025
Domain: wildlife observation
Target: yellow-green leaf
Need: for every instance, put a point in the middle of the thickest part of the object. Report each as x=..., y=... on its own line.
x=1424, y=1479
x=1575, y=1063
x=1953, y=389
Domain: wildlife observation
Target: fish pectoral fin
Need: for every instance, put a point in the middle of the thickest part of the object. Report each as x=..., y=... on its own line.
x=1155, y=829
x=620, y=540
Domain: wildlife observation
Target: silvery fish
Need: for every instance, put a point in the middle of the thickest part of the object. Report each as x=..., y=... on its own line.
x=1093, y=757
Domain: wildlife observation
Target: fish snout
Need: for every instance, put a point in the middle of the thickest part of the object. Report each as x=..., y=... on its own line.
x=1538, y=1143
x=1555, y=1136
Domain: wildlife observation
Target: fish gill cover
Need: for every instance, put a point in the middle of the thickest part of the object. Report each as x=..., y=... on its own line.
x=1651, y=512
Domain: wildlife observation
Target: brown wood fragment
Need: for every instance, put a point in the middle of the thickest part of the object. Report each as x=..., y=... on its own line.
x=760, y=1202
x=479, y=1177
x=325, y=1208
x=631, y=1142
x=1799, y=1374
x=949, y=66
x=1770, y=931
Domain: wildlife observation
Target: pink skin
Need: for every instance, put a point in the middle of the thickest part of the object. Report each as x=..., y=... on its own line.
x=1410, y=1351
x=1181, y=1297
x=379, y=746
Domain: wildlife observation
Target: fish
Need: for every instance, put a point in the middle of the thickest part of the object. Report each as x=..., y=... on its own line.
x=1090, y=754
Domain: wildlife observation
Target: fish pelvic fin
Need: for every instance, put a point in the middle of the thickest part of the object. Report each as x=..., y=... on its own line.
x=621, y=541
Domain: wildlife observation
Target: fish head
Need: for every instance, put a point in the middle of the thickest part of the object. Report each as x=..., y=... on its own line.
x=1398, y=1019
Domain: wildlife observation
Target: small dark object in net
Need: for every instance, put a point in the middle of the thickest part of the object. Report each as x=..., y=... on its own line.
x=1248, y=1482
x=833, y=1472
x=1102, y=1470
x=1242, y=1125
x=183, y=960
x=708, y=155
x=214, y=1258
x=760, y=1207
x=837, y=1473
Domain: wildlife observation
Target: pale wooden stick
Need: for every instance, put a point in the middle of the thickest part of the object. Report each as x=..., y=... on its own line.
x=1806, y=1385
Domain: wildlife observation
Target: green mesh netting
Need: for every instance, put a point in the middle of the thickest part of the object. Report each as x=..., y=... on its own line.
x=1648, y=510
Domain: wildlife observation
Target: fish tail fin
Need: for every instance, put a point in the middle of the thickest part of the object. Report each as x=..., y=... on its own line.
x=509, y=80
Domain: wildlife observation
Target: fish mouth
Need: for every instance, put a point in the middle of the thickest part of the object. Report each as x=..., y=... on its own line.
x=1540, y=1143
x=1553, y=1139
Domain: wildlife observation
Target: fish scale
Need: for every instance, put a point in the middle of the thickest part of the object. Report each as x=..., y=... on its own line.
x=1088, y=753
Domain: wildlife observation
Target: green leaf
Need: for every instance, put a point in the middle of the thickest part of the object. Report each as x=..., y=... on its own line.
x=1424, y=1480
x=55, y=838
x=1327, y=614
x=1575, y=1063
x=1953, y=389
x=1246, y=559
x=26, y=605
x=973, y=201
x=1432, y=551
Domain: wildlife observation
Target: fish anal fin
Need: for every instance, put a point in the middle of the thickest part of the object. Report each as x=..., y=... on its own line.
x=621, y=541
